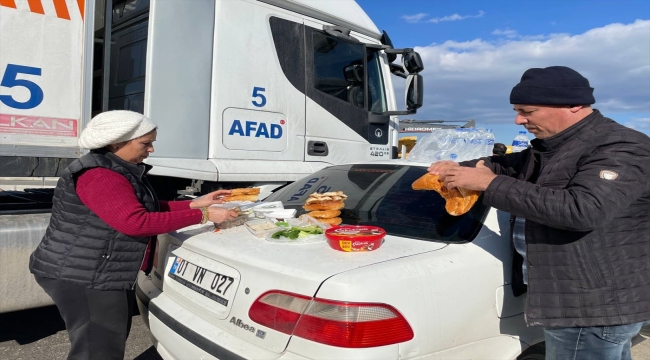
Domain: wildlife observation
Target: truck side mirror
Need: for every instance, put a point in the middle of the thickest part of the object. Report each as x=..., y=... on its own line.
x=414, y=92
x=354, y=74
x=412, y=62
x=410, y=59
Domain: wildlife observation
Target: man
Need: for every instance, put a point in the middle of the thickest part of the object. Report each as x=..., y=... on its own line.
x=499, y=149
x=581, y=196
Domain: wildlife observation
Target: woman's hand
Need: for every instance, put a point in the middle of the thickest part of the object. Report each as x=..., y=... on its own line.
x=218, y=215
x=215, y=197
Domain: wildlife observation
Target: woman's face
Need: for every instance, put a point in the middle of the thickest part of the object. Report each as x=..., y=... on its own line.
x=135, y=150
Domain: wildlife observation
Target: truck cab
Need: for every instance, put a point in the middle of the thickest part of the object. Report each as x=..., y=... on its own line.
x=268, y=90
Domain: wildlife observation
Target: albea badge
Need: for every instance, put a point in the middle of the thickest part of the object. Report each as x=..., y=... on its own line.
x=608, y=174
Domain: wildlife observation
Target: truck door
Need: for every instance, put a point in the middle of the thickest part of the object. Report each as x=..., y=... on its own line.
x=258, y=76
x=344, y=85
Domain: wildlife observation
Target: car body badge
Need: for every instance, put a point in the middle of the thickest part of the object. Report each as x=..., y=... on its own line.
x=378, y=133
x=608, y=174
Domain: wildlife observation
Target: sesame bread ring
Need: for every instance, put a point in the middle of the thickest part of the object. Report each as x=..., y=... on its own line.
x=331, y=221
x=458, y=201
x=319, y=199
x=335, y=193
x=319, y=214
x=325, y=205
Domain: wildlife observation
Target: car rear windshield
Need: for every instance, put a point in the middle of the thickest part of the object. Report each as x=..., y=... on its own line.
x=381, y=195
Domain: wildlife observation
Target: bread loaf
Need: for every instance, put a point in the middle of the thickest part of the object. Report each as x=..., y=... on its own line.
x=242, y=194
x=240, y=198
x=458, y=201
x=245, y=191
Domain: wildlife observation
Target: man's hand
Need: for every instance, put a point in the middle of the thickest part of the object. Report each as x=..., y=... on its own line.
x=214, y=197
x=476, y=178
x=439, y=167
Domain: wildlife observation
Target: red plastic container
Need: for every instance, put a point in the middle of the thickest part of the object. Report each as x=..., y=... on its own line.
x=351, y=238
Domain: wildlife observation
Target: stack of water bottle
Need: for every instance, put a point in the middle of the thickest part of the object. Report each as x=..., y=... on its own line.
x=453, y=144
x=520, y=142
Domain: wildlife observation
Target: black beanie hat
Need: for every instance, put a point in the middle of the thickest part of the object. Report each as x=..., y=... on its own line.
x=554, y=85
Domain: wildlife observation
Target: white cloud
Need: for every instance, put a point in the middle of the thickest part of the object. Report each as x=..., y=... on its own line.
x=513, y=34
x=473, y=79
x=640, y=124
x=454, y=17
x=509, y=33
x=414, y=18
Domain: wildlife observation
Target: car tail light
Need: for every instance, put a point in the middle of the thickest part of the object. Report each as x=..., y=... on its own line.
x=353, y=325
x=279, y=310
x=336, y=323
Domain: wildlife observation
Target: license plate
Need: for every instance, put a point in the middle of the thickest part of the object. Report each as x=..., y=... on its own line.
x=215, y=286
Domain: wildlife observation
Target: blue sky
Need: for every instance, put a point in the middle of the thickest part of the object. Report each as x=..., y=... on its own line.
x=475, y=52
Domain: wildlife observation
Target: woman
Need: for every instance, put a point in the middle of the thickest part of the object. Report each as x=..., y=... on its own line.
x=104, y=216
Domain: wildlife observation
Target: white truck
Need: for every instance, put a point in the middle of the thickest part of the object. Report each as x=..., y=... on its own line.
x=245, y=92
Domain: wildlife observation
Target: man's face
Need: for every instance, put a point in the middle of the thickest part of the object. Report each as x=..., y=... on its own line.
x=543, y=121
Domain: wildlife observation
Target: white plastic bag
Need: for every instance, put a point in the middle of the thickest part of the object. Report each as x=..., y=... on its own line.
x=434, y=147
x=449, y=144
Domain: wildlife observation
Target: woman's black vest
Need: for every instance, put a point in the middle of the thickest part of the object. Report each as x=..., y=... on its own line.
x=79, y=247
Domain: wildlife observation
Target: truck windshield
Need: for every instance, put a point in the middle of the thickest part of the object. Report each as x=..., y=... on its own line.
x=339, y=72
x=381, y=195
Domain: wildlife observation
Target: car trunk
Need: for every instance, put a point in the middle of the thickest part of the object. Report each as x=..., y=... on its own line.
x=244, y=267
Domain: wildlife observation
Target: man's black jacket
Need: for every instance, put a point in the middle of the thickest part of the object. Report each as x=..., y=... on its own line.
x=587, y=222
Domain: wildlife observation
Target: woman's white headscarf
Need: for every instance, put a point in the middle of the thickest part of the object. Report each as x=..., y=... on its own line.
x=112, y=127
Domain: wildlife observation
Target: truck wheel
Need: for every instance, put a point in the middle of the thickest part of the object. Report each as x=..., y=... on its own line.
x=535, y=352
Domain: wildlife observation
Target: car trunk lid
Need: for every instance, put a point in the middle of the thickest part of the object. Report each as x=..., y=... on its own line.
x=243, y=267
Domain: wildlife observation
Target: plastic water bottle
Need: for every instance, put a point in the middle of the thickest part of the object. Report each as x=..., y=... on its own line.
x=489, y=142
x=520, y=142
x=456, y=145
x=477, y=143
x=464, y=146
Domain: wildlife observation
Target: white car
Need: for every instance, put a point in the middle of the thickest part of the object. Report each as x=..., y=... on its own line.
x=436, y=289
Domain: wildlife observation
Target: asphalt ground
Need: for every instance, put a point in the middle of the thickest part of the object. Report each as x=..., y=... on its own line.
x=40, y=334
